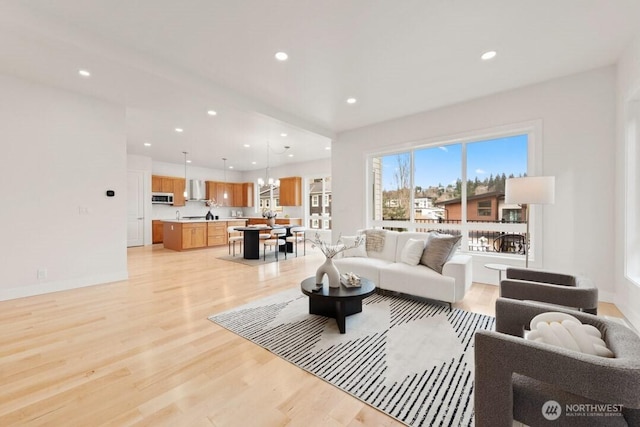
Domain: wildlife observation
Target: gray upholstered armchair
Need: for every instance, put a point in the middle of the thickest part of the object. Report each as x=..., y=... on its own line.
x=552, y=288
x=515, y=377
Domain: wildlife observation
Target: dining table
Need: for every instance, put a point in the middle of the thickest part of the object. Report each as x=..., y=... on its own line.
x=251, y=239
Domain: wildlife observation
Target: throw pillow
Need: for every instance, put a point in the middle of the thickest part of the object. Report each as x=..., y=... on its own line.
x=375, y=240
x=358, y=251
x=438, y=250
x=412, y=251
x=564, y=330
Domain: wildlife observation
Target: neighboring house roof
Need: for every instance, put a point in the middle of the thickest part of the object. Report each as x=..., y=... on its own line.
x=489, y=195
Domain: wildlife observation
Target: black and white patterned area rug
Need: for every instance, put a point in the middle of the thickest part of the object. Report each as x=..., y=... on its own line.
x=410, y=359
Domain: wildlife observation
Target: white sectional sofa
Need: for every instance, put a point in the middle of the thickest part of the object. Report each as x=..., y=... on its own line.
x=386, y=269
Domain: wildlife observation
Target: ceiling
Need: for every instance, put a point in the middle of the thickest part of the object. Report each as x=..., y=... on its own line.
x=169, y=62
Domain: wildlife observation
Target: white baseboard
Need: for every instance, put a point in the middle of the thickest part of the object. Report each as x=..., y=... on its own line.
x=61, y=285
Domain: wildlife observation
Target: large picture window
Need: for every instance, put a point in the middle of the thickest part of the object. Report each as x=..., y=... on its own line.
x=454, y=187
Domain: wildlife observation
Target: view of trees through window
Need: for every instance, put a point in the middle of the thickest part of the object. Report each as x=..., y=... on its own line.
x=429, y=185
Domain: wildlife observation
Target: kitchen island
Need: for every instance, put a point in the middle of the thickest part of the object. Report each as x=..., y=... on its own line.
x=184, y=234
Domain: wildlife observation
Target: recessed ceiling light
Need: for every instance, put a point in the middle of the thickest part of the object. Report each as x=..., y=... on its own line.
x=179, y=130
x=84, y=73
x=283, y=135
x=351, y=100
x=290, y=155
x=147, y=144
x=282, y=56
x=211, y=113
x=253, y=163
x=188, y=161
x=488, y=55
x=327, y=148
x=230, y=167
x=247, y=145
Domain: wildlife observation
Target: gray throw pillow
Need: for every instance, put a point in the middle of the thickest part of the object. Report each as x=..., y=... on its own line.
x=438, y=250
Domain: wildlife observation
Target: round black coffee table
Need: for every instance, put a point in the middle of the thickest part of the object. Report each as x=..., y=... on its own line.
x=336, y=302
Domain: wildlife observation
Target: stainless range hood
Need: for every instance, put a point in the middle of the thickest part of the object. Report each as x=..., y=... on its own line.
x=197, y=190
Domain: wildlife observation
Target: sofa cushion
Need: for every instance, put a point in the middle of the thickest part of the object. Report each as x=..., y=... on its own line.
x=358, y=251
x=412, y=251
x=417, y=280
x=438, y=250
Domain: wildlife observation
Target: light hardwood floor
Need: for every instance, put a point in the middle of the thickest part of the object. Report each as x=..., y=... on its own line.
x=142, y=352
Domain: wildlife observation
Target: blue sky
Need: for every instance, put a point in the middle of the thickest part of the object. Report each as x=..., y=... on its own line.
x=442, y=165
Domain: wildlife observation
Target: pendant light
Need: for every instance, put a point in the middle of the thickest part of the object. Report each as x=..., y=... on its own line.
x=186, y=194
x=268, y=180
x=225, y=196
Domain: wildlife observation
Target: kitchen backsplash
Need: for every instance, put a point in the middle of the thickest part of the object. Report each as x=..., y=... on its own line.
x=198, y=209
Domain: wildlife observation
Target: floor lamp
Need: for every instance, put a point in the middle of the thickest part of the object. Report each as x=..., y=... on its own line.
x=530, y=190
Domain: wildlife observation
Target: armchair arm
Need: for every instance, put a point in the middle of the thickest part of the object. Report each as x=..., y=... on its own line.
x=585, y=298
x=540, y=276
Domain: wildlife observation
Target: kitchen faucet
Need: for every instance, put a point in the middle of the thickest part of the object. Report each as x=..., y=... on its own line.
x=178, y=214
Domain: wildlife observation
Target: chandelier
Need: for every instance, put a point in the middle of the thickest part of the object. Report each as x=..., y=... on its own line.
x=268, y=180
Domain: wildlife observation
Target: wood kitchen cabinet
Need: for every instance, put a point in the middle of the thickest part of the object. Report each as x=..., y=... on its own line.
x=216, y=233
x=291, y=191
x=247, y=194
x=157, y=231
x=194, y=235
x=169, y=184
x=181, y=235
x=239, y=194
x=178, y=191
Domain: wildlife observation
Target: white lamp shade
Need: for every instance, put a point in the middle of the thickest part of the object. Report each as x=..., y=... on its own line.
x=531, y=190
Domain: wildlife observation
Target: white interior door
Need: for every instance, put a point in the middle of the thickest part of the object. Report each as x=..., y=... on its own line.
x=135, y=208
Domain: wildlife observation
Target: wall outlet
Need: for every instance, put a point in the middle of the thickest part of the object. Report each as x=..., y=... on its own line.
x=83, y=210
x=42, y=273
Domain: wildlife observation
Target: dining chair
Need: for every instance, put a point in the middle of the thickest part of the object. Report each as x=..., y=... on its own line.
x=275, y=241
x=234, y=236
x=297, y=235
x=263, y=235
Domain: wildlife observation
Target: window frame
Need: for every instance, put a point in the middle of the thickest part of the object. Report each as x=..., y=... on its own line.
x=533, y=130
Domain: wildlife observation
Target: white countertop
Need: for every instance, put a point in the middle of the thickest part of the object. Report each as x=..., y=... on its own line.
x=202, y=220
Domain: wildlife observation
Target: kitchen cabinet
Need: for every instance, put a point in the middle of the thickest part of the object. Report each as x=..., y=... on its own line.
x=169, y=184
x=291, y=191
x=247, y=194
x=216, y=233
x=239, y=194
x=178, y=191
x=157, y=231
x=180, y=235
x=194, y=235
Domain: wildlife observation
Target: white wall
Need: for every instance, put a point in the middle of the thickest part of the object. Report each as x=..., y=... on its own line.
x=578, y=140
x=60, y=153
x=627, y=293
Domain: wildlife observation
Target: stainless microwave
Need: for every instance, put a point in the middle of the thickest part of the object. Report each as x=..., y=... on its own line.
x=162, y=198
